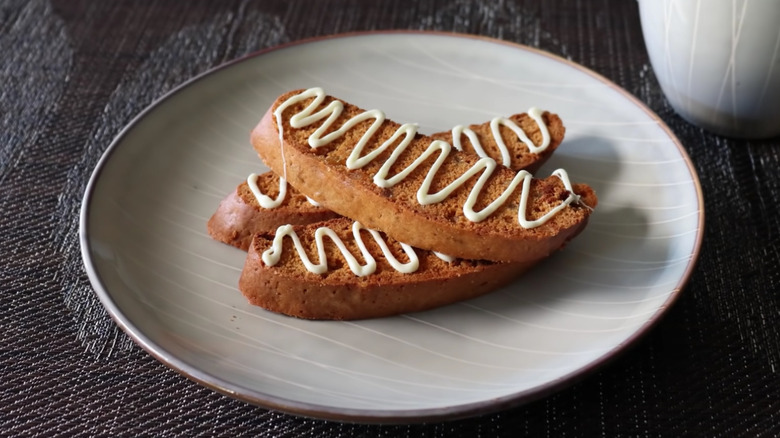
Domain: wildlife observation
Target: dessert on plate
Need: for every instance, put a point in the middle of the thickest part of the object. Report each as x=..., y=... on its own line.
x=370, y=218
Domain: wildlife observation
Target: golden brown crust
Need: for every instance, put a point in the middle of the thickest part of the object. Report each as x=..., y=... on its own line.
x=521, y=158
x=322, y=175
x=239, y=216
x=288, y=288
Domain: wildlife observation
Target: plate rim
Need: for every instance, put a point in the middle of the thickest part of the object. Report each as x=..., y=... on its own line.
x=393, y=416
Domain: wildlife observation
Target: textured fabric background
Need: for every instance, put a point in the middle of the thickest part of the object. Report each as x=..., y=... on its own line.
x=74, y=72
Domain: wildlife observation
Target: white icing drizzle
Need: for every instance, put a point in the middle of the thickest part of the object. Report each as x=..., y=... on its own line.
x=560, y=173
x=445, y=257
x=264, y=200
x=409, y=130
x=283, y=179
x=495, y=124
x=484, y=165
x=272, y=255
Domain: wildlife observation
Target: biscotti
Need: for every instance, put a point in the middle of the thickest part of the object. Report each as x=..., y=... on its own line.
x=416, y=189
x=350, y=282
x=506, y=139
x=240, y=214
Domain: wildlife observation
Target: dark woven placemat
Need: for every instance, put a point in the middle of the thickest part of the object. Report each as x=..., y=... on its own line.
x=73, y=73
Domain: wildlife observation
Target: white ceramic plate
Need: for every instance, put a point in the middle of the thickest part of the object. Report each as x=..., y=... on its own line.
x=174, y=290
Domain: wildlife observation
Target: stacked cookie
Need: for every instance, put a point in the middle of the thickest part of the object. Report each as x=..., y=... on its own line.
x=365, y=217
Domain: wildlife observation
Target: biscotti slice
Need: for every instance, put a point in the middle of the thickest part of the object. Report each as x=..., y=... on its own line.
x=416, y=189
x=507, y=139
x=240, y=215
x=364, y=283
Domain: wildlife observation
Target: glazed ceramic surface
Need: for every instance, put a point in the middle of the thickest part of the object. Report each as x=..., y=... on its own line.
x=718, y=62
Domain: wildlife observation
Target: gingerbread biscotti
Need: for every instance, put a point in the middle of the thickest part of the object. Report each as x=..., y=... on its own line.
x=322, y=271
x=416, y=189
x=243, y=212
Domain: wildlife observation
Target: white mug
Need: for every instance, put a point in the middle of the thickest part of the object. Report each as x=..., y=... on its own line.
x=718, y=62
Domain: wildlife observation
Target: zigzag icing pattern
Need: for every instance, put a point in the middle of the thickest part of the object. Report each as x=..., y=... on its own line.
x=272, y=255
x=484, y=167
x=457, y=132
